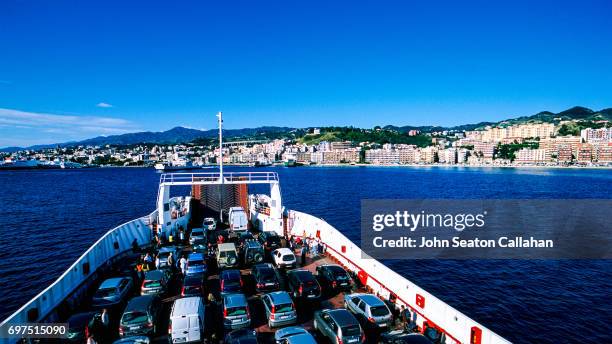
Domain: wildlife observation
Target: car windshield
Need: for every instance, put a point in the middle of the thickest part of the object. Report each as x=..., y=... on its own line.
x=134, y=317
x=106, y=292
x=379, y=311
x=163, y=255
x=273, y=239
x=283, y=308
x=288, y=258
x=152, y=284
x=197, y=233
x=234, y=311
x=196, y=262
x=209, y=222
x=352, y=330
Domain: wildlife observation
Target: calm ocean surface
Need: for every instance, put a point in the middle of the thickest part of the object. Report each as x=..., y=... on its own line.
x=51, y=217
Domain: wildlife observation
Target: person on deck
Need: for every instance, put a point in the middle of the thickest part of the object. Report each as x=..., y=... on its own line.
x=303, y=255
x=183, y=265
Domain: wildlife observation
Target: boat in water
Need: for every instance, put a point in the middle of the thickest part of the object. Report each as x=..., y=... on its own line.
x=114, y=256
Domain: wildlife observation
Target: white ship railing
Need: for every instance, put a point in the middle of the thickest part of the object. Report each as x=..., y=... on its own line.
x=211, y=178
x=457, y=327
x=73, y=283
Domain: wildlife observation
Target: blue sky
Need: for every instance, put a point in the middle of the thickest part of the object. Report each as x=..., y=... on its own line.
x=77, y=69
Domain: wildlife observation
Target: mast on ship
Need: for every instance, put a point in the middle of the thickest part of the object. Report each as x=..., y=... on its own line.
x=220, y=119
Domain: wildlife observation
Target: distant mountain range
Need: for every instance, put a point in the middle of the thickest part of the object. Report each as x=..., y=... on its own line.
x=185, y=135
x=575, y=113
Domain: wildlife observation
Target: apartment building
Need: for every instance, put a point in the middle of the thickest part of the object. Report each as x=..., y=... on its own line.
x=596, y=135
x=532, y=156
x=382, y=157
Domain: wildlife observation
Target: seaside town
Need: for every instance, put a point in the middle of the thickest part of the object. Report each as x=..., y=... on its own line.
x=525, y=144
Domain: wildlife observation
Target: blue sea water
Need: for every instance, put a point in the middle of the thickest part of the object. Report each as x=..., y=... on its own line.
x=50, y=217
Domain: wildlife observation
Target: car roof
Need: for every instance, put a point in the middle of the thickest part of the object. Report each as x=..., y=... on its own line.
x=280, y=297
x=289, y=331
x=168, y=249
x=244, y=335
x=139, y=303
x=209, y=219
x=226, y=246
x=332, y=267
x=284, y=250
x=301, y=273
x=370, y=299
x=132, y=339
x=195, y=256
x=264, y=266
x=197, y=230
x=231, y=273
x=302, y=338
x=408, y=338
x=192, y=279
x=252, y=243
x=186, y=305
x=235, y=300
x=154, y=275
x=112, y=282
x=343, y=317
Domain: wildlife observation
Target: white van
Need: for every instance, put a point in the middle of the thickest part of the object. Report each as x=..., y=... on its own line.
x=186, y=320
x=237, y=219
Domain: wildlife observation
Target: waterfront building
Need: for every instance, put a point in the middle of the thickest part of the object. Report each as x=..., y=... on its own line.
x=584, y=153
x=382, y=157
x=532, y=156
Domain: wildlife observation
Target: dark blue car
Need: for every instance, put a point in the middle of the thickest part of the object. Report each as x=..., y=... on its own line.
x=231, y=282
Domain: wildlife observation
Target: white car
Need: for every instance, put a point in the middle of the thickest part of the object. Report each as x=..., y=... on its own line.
x=284, y=257
x=209, y=224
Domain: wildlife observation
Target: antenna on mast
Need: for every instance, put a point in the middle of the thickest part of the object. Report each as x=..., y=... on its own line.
x=220, y=117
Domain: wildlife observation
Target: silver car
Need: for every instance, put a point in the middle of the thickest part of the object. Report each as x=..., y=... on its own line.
x=279, y=308
x=339, y=326
x=369, y=308
x=197, y=234
x=113, y=292
x=235, y=312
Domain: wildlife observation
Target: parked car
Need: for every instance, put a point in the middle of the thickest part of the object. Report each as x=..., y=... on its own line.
x=401, y=337
x=140, y=316
x=339, y=326
x=196, y=264
x=303, y=285
x=265, y=277
x=187, y=320
x=235, y=312
x=280, y=309
x=238, y=221
x=369, y=309
x=242, y=336
x=209, y=224
x=269, y=240
x=164, y=253
x=252, y=252
x=200, y=246
x=112, y=293
x=133, y=340
x=302, y=338
x=197, y=234
x=334, y=278
x=227, y=255
x=155, y=282
x=284, y=257
x=193, y=285
x=287, y=332
x=79, y=326
x=230, y=281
